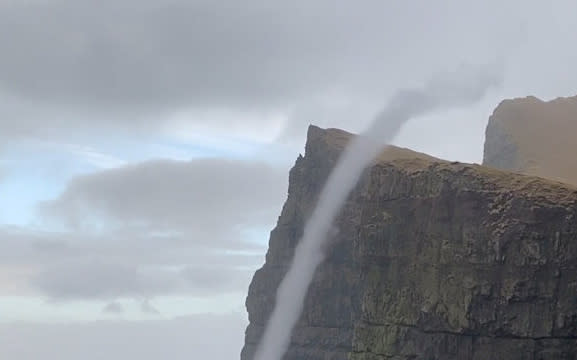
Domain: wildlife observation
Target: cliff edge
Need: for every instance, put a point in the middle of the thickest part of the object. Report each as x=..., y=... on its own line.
x=430, y=260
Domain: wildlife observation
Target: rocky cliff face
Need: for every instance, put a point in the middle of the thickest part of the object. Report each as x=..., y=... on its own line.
x=431, y=260
x=534, y=137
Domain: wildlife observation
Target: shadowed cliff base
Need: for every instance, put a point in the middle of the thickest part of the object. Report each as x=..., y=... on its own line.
x=430, y=260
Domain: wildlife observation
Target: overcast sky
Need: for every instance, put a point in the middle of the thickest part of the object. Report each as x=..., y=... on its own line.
x=145, y=145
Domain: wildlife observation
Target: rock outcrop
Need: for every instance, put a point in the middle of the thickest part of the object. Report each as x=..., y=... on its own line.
x=431, y=260
x=534, y=137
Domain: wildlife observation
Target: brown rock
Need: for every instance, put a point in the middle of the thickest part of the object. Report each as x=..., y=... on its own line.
x=534, y=137
x=432, y=260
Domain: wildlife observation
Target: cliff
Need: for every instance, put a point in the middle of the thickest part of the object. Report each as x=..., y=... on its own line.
x=534, y=137
x=431, y=260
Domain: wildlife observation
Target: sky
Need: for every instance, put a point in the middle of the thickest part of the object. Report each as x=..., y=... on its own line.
x=145, y=146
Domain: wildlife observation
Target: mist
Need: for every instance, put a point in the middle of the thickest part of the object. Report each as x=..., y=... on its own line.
x=461, y=87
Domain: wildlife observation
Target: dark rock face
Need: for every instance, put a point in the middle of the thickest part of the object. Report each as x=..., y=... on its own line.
x=432, y=260
x=325, y=330
x=501, y=150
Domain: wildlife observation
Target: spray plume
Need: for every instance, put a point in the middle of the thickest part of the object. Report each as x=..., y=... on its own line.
x=460, y=88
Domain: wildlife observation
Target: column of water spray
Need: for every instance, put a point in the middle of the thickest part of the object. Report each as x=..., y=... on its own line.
x=462, y=87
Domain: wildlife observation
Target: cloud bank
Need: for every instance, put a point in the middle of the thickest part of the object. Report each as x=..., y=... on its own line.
x=183, y=338
x=150, y=229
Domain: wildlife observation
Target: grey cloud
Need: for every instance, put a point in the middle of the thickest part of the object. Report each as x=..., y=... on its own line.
x=82, y=65
x=212, y=278
x=167, y=215
x=113, y=308
x=68, y=266
x=99, y=281
x=106, y=281
x=147, y=308
x=162, y=227
x=203, y=336
x=210, y=198
x=151, y=55
x=27, y=248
